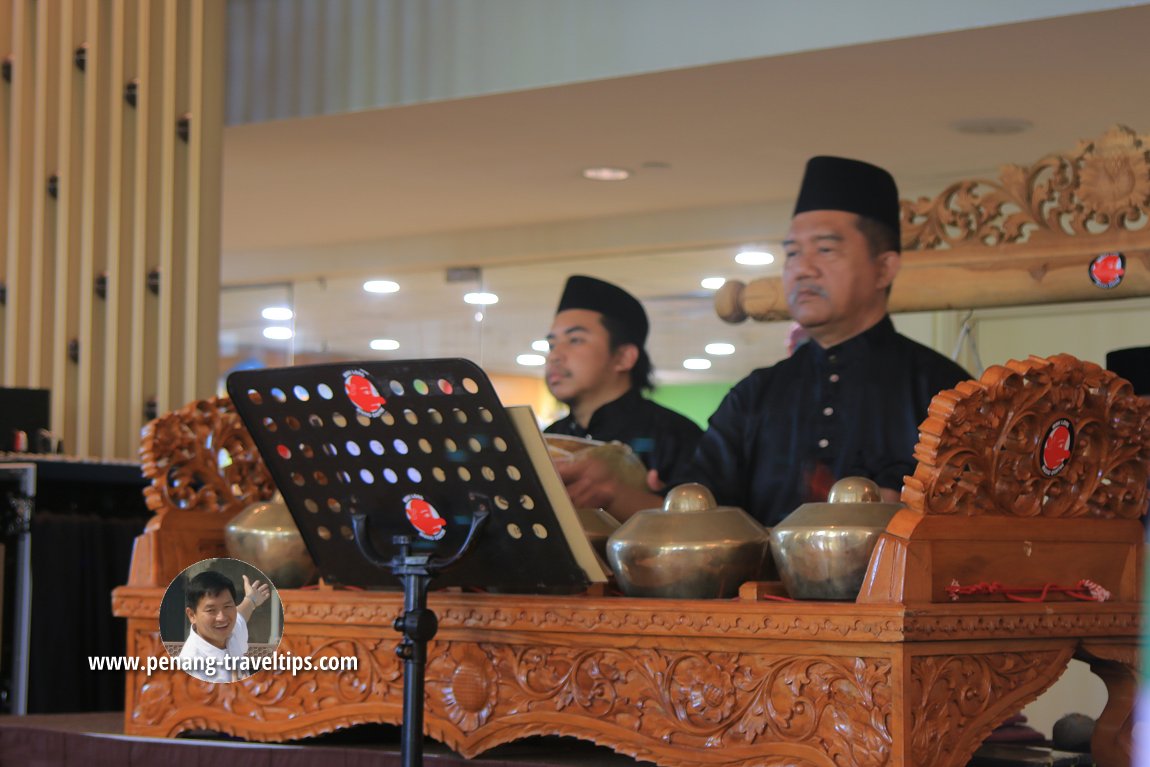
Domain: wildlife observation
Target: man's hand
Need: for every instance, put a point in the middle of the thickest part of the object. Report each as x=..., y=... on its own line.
x=257, y=592
x=592, y=483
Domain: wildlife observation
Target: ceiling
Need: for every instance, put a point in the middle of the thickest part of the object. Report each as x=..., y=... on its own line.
x=313, y=207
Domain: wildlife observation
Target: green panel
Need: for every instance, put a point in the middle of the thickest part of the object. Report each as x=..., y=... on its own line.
x=696, y=401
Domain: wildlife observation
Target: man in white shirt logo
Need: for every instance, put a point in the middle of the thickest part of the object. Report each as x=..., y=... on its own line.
x=219, y=635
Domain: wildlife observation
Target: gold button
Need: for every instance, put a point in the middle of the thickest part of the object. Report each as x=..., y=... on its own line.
x=824, y=442
x=828, y=411
x=834, y=377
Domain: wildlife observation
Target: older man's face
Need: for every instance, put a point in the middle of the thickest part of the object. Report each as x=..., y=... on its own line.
x=834, y=287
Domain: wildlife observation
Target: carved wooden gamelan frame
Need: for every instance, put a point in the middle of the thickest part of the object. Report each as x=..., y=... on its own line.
x=917, y=671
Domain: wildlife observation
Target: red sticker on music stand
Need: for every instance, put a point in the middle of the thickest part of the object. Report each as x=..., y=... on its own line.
x=1057, y=447
x=362, y=393
x=1107, y=270
x=424, y=518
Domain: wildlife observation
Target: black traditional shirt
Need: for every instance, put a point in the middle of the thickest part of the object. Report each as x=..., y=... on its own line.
x=663, y=439
x=784, y=432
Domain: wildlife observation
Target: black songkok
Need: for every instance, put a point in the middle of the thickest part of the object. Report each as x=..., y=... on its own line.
x=853, y=186
x=609, y=300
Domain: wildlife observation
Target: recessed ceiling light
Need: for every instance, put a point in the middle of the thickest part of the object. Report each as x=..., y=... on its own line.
x=380, y=286
x=606, y=173
x=992, y=126
x=541, y=346
x=696, y=363
x=277, y=313
x=719, y=348
x=278, y=333
x=754, y=258
x=531, y=360
x=482, y=299
x=713, y=283
x=384, y=344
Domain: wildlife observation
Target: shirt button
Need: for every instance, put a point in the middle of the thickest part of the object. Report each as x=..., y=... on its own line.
x=834, y=378
x=833, y=358
x=828, y=411
x=824, y=442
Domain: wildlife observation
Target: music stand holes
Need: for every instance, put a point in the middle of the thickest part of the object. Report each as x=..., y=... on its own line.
x=527, y=502
x=367, y=477
x=255, y=397
x=343, y=477
x=320, y=478
x=485, y=414
x=400, y=446
x=390, y=476
x=450, y=445
x=346, y=532
x=329, y=449
x=470, y=386
x=339, y=419
x=420, y=386
x=270, y=424
x=352, y=447
x=501, y=503
x=439, y=474
x=397, y=388
x=445, y=386
x=539, y=530
x=514, y=473
x=292, y=423
x=278, y=395
x=500, y=444
x=413, y=474
x=324, y=391
x=306, y=451
x=387, y=418
x=323, y=532
x=475, y=445
x=333, y=506
x=464, y=473
x=298, y=479
x=315, y=421
x=283, y=451
x=460, y=416
x=410, y=417
x=514, y=531
x=376, y=446
x=488, y=473
x=311, y=505
x=363, y=420
x=425, y=446
x=435, y=416
x=301, y=393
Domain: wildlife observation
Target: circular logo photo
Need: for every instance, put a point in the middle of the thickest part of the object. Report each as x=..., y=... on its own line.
x=218, y=618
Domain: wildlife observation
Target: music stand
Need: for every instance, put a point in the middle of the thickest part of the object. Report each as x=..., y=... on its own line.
x=411, y=470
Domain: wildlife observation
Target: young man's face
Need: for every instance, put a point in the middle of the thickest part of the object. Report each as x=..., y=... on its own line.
x=834, y=287
x=214, y=617
x=580, y=361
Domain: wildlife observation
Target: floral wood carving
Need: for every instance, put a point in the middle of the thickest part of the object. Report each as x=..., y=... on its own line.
x=956, y=701
x=1054, y=437
x=1102, y=185
x=181, y=452
x=690, y=701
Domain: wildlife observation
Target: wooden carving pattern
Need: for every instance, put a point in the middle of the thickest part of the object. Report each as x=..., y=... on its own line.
x=981, y=445
x=276, y=704
x=956, y=701
x=1102, y=185
x=181, y=454
x=685, y=700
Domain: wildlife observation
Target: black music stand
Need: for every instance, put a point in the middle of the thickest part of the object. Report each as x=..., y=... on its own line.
x=410, y=470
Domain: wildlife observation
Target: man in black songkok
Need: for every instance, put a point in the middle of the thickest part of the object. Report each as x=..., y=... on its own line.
x=598, y=366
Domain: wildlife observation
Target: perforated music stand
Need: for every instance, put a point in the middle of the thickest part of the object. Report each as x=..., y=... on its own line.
x=391, y=471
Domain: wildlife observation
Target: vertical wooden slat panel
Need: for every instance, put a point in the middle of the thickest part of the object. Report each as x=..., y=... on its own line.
x=7, y=13
x=44, y=208
x=165, y=75
x=18, y=325
x=63, y=281
x=204, y=191
x=96, y=219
